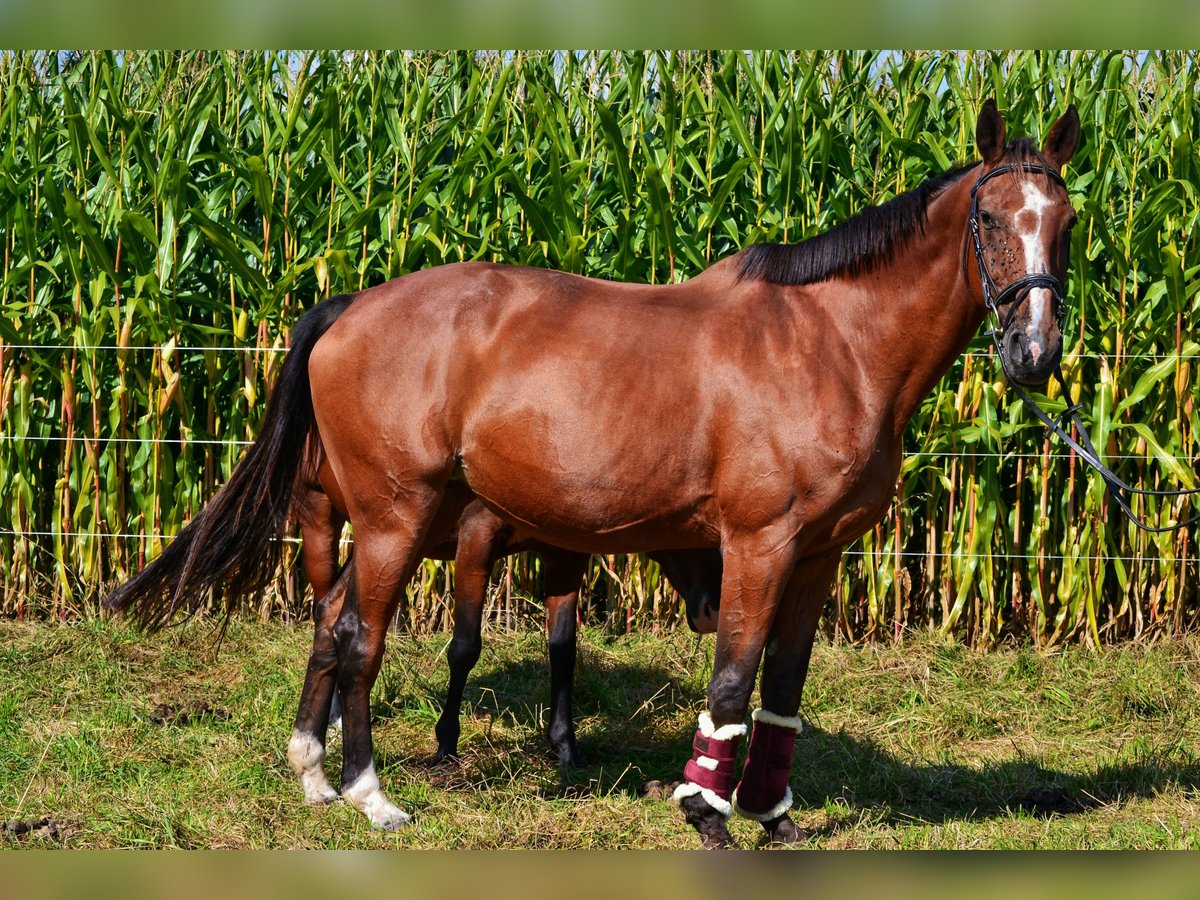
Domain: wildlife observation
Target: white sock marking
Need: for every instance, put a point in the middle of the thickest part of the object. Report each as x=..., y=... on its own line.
x=306, y=756
x=366, y=795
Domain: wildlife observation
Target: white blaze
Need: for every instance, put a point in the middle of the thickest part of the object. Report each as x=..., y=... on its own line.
x=1036, y=203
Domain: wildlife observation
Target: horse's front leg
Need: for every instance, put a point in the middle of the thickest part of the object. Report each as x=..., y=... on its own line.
x=757, y=570
x=763, y=793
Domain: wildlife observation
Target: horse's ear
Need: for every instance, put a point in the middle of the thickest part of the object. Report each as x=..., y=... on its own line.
x=1063, y=138
x=989, y=133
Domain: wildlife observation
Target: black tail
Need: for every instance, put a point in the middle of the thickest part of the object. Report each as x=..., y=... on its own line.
x=232, y=547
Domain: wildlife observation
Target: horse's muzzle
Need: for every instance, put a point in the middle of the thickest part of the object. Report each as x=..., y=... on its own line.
x=1030, y=361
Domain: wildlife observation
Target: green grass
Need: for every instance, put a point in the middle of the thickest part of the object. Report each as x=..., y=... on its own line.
x=922, y=744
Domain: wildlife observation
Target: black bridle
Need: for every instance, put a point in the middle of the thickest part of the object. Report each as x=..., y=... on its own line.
x=1017, y=291
x=1014, y=295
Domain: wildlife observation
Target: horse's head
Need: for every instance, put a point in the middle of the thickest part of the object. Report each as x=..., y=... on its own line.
x=1021, y=221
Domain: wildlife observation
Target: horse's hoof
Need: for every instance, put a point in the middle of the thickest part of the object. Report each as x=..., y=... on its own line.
x=718, y=840
x=782, y=832
x=714, y=833
x=321, y=796
x=393, y=823
x=364, y=794
x=385, y=816
x=445, y=760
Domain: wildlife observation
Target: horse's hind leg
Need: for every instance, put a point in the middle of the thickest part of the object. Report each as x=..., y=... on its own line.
x=563, y=572
x=306, y=749
x=385, y=557
x=322, y=568
x=763, y=793
x=478, y=536
x=321, y=526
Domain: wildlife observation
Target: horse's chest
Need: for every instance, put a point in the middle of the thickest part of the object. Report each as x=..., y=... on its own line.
x=843, y=493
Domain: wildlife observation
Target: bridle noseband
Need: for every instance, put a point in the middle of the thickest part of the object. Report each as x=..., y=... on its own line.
x=1016, y=293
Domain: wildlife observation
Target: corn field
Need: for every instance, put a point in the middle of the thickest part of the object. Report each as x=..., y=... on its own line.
x=166, y=218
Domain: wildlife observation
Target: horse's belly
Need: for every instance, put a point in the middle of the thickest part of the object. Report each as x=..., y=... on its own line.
x=589, y=490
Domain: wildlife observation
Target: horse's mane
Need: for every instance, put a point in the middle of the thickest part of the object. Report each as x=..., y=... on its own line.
x=858, y=244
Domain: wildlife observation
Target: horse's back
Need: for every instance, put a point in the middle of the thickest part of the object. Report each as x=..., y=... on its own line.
x=529, y=382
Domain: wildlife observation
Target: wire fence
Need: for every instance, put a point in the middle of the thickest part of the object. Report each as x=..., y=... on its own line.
x=970, y=354
x=913, y=454
x=883, y=553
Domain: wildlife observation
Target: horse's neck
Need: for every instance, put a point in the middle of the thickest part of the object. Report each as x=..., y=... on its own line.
x=921, y=315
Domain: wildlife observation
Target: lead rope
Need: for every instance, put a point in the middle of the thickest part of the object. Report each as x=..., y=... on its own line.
x=1016, y=293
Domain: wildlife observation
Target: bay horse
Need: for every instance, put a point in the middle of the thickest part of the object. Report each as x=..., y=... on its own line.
x=474, y=543
x=759, y=407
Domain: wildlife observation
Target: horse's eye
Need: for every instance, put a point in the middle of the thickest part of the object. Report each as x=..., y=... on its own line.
x=1070, y=224
x=989, y=221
